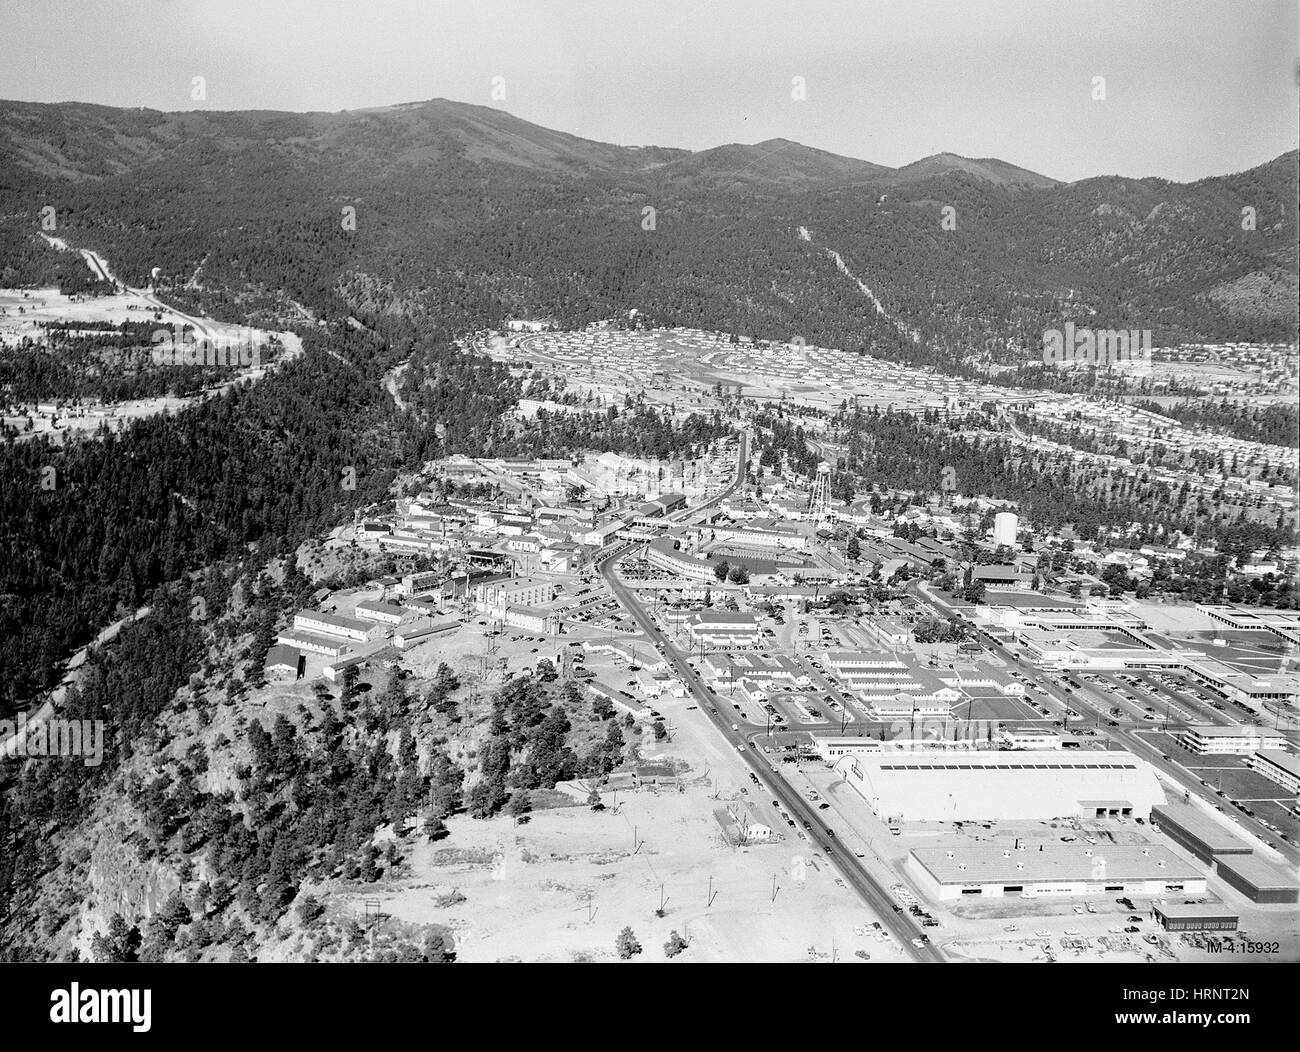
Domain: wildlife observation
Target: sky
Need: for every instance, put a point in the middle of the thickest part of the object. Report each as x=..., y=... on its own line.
x=1189, y=88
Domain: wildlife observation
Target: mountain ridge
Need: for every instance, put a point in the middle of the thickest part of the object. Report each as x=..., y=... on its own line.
x=123, y=137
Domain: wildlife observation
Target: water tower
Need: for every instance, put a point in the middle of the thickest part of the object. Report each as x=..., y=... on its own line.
x=820, y=500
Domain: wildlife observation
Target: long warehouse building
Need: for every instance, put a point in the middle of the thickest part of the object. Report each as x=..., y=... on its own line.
x=1053, y=869
x=978, y=786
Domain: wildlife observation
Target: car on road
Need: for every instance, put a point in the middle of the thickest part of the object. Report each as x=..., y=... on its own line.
x=740, y=748
x=1131, y=929
x=1073, y=931
x=1043, y=933
x=918, y=943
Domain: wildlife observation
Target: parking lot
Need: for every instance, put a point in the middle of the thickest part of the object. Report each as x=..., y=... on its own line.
x=1237, y=786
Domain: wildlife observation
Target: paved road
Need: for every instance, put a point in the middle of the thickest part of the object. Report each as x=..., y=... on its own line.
x=819, y=834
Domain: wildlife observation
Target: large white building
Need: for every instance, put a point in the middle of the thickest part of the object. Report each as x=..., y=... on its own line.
x=1208, y=739
x=968, y=871
x=500, y=592
x=979, y=786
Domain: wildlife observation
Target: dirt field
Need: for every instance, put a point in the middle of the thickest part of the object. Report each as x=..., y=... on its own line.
x=565, y=884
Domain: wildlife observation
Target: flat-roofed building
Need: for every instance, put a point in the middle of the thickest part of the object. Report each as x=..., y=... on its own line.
x=831, y=747
x=500, y=592
x=1197, y=832
x=1034, y=870
x=1257, y=878
x=1278, y=766
x=1030, y=738
x=979, y=786
x=1195, y=916
x=1208, y=739
x=533, y=620
x=1241, y=686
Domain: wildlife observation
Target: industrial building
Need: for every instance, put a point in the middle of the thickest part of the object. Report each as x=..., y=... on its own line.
x=1196, y=832
x=1195, y=916
x=965, y=870
x=1256, y=878
x=979, y=786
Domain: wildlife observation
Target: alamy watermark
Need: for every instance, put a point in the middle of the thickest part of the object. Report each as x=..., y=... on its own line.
x=21, y=739
x=1102, y=347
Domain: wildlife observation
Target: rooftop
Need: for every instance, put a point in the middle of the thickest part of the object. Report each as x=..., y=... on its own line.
x=1257, y=871
x=1288, y=761
x=964, y=864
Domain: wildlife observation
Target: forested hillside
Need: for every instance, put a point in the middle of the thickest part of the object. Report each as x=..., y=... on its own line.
x=462, y=208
